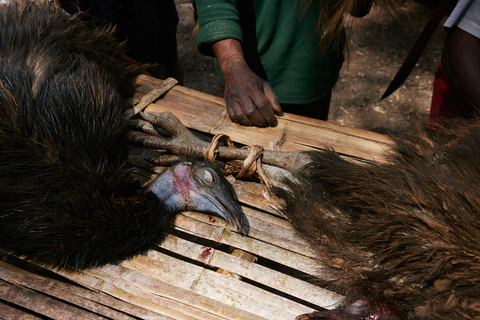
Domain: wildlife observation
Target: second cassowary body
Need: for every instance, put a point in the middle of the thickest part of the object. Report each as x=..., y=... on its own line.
x=399, y=239
x=402, y=239
x=66, y=197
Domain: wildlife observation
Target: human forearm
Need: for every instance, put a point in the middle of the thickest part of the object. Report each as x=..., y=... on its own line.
x=226, y=49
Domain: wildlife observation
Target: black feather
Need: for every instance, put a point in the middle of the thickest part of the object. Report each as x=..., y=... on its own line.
x=65, y=196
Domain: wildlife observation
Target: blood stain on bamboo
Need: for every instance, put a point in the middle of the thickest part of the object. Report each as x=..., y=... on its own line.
x=205, y=253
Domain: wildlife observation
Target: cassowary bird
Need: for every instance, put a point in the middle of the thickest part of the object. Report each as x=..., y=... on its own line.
x=67, y=199
x=402, y=239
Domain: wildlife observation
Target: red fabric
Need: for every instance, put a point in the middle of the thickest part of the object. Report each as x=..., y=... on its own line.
x=445, y=103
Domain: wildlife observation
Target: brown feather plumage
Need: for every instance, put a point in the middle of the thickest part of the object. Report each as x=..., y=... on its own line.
x=406, y=233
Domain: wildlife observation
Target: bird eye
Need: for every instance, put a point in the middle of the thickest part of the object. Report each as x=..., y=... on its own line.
x=207, y=176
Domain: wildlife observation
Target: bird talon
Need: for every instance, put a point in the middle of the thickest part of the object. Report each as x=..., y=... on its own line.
x=181, y=142
x=166, y=121
x=149, y=141
x=165, y=160
x=144, y=126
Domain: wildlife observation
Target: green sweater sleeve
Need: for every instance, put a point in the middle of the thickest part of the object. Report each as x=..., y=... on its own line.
x=218, y=20
x=278, y=41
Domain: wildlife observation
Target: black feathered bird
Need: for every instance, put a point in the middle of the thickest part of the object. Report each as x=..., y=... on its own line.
x=400, y=239
x=66, y=197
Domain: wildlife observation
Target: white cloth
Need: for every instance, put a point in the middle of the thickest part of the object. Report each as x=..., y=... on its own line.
x=466, y=16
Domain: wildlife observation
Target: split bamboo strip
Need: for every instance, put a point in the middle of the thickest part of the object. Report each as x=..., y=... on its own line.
x=207, y=114
x=261, y=227
x=139, y=287
x=247, y=297
x=136, y=306
x=69, y=293
x=266, y=276
x=242, y=255
x=289, y=258
x=150, y=294
x=165, y=268
x=213, y=285
x=42, y=304
x=11, y=313
x=250, y=193
x=154, y=94
x=156, y=307
x=162, y=307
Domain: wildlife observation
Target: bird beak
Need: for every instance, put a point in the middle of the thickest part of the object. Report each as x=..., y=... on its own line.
x=224, y=204
x=212, y=186
x=198, y=186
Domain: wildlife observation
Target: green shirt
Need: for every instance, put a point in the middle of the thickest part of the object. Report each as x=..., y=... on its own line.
x=279, y=44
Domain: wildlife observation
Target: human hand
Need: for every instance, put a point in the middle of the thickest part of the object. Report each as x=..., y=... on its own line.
x=250, y=100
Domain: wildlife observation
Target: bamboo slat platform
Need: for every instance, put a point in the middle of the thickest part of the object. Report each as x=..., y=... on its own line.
x=203, y=269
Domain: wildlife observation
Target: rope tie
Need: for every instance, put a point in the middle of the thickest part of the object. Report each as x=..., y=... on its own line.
x=212, y=151
x=252, y=164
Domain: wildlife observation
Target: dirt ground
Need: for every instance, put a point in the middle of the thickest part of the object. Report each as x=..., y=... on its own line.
x=378, y=45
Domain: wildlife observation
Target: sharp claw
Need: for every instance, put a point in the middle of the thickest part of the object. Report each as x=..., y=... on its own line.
x=165, y=159
x=165, y=120
x=148, y=141
x=144, y=126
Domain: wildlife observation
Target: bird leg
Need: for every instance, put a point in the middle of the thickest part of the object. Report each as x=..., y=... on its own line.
x=181, y=142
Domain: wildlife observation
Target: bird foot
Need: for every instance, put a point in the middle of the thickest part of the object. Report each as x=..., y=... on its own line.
x=164, y=131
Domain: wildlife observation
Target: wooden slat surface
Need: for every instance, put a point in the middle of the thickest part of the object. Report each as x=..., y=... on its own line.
x=254, y=246
x=252, y=271
x=179, y=280
x=207, y=114
x=8, y=312
x=41, y=289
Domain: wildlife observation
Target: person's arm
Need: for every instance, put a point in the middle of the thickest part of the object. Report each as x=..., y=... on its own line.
x=461, y=62
x=250, y=100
